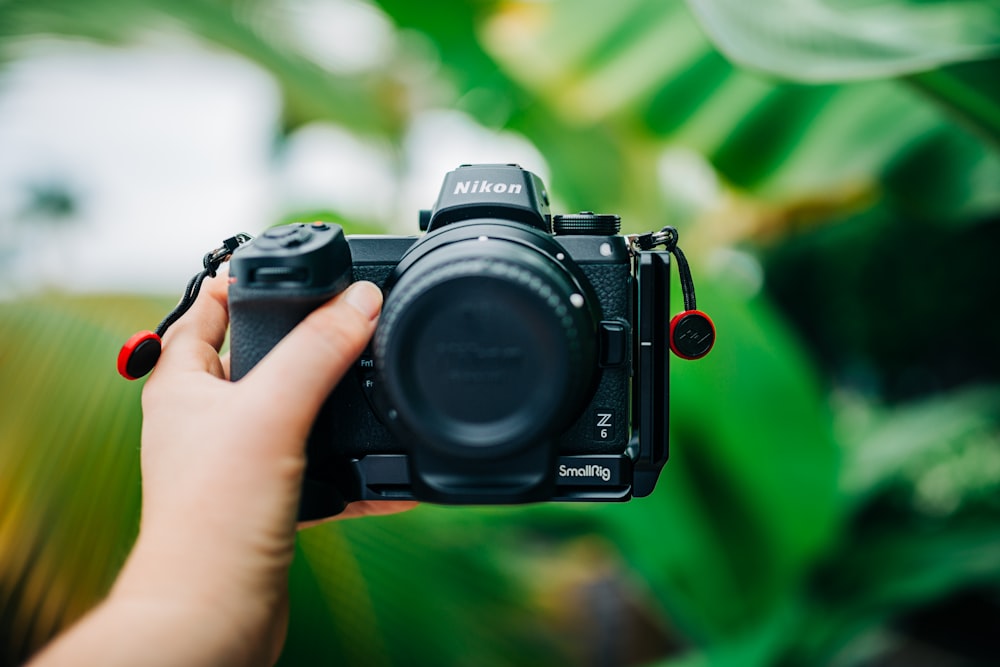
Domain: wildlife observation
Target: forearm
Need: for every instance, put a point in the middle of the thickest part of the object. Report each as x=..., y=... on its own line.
x=166, y=610
x=153, y=633
x=207, y=581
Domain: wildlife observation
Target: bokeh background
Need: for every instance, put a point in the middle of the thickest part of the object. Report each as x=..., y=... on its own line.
x=833, y=167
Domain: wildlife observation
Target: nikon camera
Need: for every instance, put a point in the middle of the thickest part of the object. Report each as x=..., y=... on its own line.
x=519, y=357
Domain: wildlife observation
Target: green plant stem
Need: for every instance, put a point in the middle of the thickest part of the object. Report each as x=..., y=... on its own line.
x=976, y=109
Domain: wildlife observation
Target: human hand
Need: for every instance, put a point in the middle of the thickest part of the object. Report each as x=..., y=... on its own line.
x=222, y=467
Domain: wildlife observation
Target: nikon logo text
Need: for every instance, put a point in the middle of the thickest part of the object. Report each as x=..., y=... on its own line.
x=589, y=470
x=474, y=187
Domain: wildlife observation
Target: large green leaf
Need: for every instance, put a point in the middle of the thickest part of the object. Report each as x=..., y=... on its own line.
x=639, y=76
x=942, y=454
x=750, y=497
x=970, y=92
x=841, y=40
x=823, y=41
x=69, y=482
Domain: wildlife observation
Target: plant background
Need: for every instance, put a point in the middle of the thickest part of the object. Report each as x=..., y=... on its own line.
x=834, y=169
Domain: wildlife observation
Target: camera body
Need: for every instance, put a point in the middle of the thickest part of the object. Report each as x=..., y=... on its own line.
x=519, y=357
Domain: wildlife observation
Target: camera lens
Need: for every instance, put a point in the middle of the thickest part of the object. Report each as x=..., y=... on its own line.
x=486, y=344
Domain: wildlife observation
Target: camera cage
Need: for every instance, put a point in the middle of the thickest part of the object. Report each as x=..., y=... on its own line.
x=632, y=473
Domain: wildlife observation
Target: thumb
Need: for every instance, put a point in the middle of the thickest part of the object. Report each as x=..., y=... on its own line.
x=295, y=378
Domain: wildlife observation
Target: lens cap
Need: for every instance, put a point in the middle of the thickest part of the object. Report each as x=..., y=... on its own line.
x=484, y=348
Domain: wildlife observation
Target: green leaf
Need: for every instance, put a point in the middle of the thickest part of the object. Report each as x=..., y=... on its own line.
x=923, y=480
x=749, y=499
x=944, y=451
x=844, y=40
x=824, y=41
x=639, y=77
x=439, y=586
x=69, y=479
x=971, y=92
x=886, y=571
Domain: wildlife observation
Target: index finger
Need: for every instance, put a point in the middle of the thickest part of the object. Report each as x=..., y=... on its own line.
x=193, y=342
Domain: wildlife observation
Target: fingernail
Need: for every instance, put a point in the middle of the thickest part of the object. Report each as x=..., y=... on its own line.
x=366, y=299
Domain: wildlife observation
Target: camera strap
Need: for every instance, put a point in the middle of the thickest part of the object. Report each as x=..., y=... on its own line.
x=141, y=352
x=692, y=332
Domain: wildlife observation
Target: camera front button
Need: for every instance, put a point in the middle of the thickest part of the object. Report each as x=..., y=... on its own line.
x=615, y=339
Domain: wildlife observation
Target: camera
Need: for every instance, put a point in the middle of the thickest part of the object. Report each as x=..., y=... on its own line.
x=520, y=356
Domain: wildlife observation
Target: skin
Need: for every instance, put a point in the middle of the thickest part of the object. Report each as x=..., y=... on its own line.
x=222, y=462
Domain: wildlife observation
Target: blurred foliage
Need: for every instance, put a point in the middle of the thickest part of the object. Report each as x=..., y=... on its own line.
x=834, y=473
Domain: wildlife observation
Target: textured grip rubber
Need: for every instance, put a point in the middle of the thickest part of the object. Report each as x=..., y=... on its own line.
x=259, y=323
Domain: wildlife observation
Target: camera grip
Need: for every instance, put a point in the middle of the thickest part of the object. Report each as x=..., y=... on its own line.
x=259, y=322
x=276, y=281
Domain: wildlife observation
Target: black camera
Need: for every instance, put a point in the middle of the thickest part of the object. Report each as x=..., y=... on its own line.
x=519, y=356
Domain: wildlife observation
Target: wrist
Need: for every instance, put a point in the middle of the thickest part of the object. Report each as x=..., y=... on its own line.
x=177, y=592
x=127, y=630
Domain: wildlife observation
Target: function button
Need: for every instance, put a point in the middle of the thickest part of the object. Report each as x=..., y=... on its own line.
x=615, y=340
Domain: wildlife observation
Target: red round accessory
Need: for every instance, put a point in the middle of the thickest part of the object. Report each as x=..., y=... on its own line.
x=692, y=334
x=138, y=355
x=140, y=352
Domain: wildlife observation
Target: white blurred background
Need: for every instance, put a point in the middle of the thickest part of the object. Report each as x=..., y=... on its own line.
x=121, y=166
